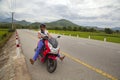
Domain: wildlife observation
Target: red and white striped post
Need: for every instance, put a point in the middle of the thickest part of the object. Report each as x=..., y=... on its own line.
x=17, y=45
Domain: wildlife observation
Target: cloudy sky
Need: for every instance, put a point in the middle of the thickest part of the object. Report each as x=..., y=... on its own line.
x=102, y=13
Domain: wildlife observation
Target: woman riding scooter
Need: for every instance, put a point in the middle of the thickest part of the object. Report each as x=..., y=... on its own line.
x=41, y=34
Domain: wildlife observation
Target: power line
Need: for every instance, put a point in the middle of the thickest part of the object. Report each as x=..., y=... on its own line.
x=13, y=7
x=9, y=4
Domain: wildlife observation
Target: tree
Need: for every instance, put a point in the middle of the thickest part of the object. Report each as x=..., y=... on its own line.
x=69, y=28
x=84, y=29
x=108, y=31
x=64, y=28
x=117, y=31
x=92, y=30
x=75, y=29
x=79, y=28
x=56, y=28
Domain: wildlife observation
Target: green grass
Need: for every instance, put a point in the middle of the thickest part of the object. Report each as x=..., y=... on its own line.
x=3, y=33
x=4, y=36
x=115, y=37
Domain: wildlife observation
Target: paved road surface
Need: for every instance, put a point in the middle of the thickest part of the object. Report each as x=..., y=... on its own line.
x=85, y=59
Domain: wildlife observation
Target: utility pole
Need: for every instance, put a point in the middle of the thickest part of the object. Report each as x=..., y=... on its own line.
x=12, y=20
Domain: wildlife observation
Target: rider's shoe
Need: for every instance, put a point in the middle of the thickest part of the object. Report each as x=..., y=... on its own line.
x=61, y=58
x=32, y=61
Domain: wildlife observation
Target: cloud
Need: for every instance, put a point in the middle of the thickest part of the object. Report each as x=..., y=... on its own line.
x=84, y=12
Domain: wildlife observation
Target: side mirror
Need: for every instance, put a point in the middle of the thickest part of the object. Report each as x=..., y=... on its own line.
x=58, y=36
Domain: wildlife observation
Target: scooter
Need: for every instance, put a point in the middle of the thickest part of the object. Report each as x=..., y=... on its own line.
x=50, y=53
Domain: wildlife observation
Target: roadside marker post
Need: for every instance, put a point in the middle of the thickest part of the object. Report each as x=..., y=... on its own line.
x=104, y=39
x=17, y=45
x=89, y=36
x=77, y=36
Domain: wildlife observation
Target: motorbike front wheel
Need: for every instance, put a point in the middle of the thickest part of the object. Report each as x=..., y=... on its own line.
x=51, y=65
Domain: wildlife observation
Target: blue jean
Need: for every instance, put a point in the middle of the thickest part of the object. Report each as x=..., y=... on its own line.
x=39, y=47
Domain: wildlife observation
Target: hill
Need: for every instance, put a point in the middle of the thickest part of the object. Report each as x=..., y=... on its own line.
x=61, y=23
x=116, y=28
x=58, y=23
x=9, y=20
x=23, y=22
x=35, y=24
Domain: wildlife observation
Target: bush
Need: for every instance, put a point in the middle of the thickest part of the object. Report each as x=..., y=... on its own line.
x=11, y=30
x=4, y=35
x=108, y=31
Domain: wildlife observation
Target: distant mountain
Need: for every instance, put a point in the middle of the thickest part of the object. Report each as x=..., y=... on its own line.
x=61, y=23
x=1, y=19
x=95, y=27
x=36, y=24
x=58, y=23
x=8, y=20
x=23, y=22
x=116, y=28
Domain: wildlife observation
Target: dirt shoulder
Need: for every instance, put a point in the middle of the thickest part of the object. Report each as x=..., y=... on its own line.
x=12, y=67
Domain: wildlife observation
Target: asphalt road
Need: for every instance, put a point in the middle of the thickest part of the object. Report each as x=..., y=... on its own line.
x=86, y=59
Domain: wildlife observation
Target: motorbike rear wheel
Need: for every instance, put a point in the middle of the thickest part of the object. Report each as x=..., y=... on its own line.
x=51, y=65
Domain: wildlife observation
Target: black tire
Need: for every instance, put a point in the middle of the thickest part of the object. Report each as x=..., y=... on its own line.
x=51, y=65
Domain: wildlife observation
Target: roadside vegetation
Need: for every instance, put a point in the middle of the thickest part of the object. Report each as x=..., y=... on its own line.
x=99, y=35
x=5, y=34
